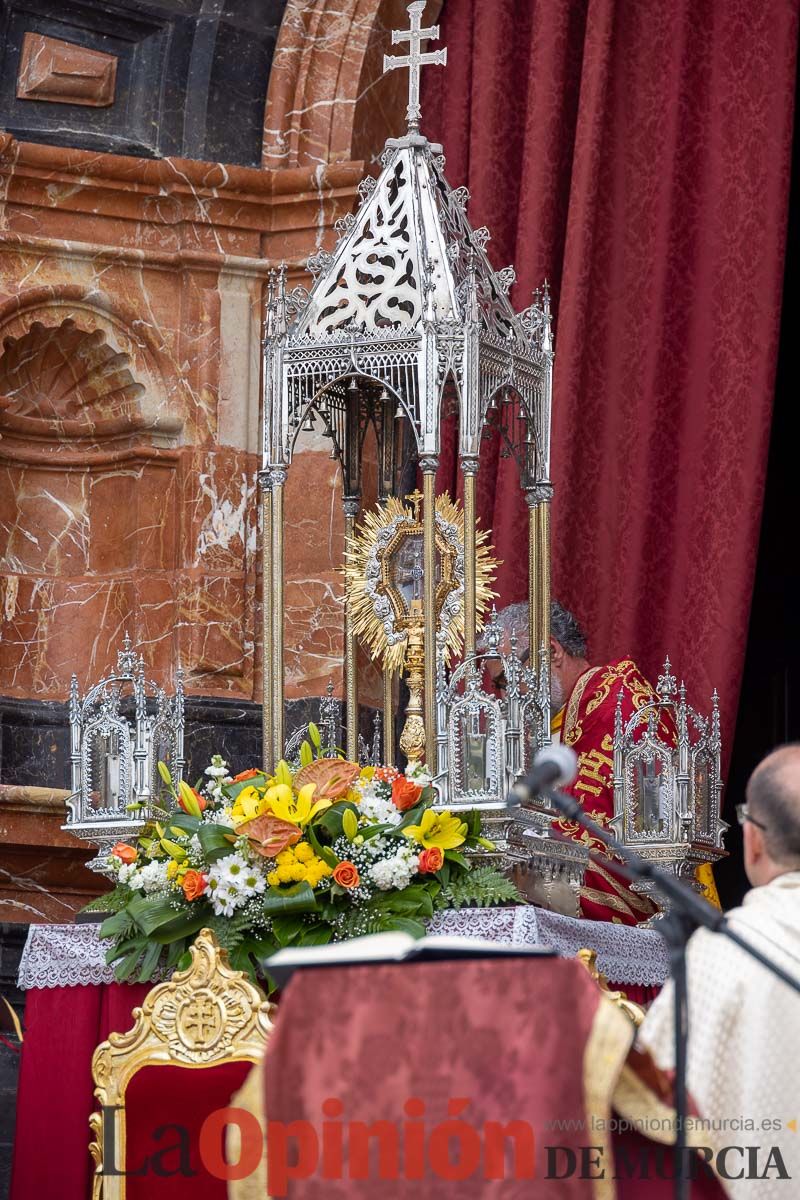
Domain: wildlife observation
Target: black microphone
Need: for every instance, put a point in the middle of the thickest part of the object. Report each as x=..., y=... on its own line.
x=555, y=766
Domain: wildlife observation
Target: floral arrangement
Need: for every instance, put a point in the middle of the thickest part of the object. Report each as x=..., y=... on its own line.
x=327, y=852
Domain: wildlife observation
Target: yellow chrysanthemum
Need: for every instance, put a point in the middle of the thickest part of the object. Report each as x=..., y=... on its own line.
x=303, y=852
x=285, y=858
x=438, y=829
x=285, y=874
x=273, y=879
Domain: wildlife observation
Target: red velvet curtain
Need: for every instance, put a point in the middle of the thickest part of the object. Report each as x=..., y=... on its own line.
x=637, y=154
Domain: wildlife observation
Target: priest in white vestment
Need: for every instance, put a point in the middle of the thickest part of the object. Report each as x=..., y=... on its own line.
x=744, y=1024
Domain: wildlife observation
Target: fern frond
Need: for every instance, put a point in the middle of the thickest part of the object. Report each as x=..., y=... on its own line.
x=110, y=902
x=481, y=887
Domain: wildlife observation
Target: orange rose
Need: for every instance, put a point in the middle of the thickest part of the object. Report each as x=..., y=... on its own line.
x=405, y=793
x=124, y=852
x=201, y=800
x=346, y=875
x=193, y=884
x=250, y=774
x=431, y=860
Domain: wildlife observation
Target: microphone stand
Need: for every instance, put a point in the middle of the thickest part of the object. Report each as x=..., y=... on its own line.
x=687, y=912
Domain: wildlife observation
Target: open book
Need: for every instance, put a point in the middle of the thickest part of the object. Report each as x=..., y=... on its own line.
x=392, y=947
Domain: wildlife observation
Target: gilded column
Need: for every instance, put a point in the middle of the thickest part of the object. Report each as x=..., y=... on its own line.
x=266, y=621
x=534, y=606
x=388, y=716
x=469, y=468
x=350, y=647
x=545, y=494
x=278, y=478
x=428, y=466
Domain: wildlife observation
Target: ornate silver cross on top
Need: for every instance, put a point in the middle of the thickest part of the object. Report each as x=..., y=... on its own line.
x=414, y=59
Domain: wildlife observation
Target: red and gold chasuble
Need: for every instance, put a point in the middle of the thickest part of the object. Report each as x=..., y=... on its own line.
x=588, y=728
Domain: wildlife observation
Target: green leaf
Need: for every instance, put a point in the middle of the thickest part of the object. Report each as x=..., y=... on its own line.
x=375, y=831
x=182, y=822
x=216, y=840
x=299, y=898
x=453, y=856
x=158, y=918
x=331, y=819
x=406, y=925
x=323, y=852
x=118, y=925
x=150, y=962
x=315, y=935
x=127, y=966
x=249, y=956
x=174, y=952
x=412, y=817
x=287, y=928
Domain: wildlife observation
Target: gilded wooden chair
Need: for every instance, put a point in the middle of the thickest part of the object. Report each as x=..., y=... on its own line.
x=207, y=1016
x=588, y=959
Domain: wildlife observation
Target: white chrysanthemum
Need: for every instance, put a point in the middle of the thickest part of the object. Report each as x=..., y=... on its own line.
x=395, y=872
x=231, y=869
x=224, y=901
x=150, y=878
x=253, y=882
x=381, y=810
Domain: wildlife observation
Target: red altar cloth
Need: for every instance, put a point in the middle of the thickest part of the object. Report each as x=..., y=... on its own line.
x=63, y=1027
x=438, y=1048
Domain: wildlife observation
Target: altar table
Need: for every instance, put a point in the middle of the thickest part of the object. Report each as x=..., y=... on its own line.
x=73, y=1004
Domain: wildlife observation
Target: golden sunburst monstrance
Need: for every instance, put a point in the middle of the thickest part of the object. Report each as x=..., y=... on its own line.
x=383, y=576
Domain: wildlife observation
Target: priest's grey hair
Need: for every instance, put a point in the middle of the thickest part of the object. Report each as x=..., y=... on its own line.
x=564, y=628
x=773, y=797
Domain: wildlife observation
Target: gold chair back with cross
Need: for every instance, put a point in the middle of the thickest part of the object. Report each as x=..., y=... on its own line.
x=205, y=1016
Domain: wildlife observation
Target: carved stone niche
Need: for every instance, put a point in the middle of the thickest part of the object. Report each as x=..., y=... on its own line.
x=63, y=73
x=65, y=383
x=89, y=498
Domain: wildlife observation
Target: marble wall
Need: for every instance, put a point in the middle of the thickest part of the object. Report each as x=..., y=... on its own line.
x=131, y=293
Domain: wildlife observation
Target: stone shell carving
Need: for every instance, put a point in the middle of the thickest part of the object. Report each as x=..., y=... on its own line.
x=66, y=374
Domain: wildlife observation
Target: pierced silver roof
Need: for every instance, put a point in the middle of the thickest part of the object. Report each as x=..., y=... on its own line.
x=407, y=300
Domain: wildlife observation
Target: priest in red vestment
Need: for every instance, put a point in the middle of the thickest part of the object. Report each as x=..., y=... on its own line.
x=584, y=700
x=583, y=703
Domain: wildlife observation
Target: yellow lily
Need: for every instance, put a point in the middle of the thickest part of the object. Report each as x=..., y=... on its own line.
x=299, y=809
x=437, y=829
x=249, y=804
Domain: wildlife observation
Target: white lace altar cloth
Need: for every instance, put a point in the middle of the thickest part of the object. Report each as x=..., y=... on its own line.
x=70, y=955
